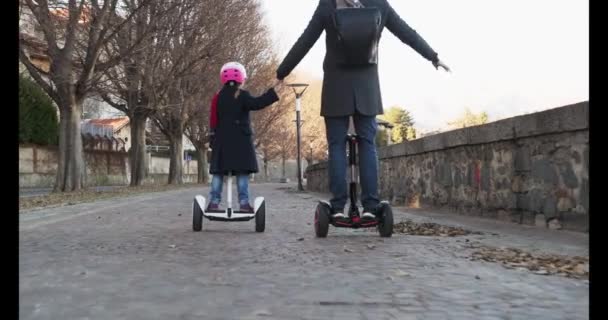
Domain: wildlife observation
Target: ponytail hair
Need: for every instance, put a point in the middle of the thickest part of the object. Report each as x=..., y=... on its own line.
x=233, y=85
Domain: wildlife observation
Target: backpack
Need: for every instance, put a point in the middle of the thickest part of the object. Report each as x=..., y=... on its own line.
x=358, y=33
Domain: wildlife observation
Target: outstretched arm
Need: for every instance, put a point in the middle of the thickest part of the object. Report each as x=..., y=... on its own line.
x=302, y=46
x=409, y=36
x=261, y=102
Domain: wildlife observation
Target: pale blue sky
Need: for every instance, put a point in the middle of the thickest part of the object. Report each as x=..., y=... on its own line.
x=508, y=57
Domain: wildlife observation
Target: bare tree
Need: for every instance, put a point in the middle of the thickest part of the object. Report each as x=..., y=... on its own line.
x=76, y=33
x=130, y=85
x=268, y=125
x=194, y=58
x=314, y=142
x=188, y=45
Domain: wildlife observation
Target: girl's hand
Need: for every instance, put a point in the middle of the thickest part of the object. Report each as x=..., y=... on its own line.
x=278, y=85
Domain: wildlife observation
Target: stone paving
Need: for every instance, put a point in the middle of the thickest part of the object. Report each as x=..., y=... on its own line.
x=137, y=258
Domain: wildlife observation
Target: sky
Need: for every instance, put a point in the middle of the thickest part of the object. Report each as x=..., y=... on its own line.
x=507, y=57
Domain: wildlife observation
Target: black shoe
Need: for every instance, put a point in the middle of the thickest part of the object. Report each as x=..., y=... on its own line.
x=213, y=207
x=246, y=208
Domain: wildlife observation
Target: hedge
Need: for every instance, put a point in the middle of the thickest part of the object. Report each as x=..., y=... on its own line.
x=38, y=122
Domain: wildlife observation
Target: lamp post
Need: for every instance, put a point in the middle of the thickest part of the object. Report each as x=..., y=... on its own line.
x=298, y=90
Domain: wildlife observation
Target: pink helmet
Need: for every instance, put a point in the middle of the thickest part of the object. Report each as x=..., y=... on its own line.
x=233, y=71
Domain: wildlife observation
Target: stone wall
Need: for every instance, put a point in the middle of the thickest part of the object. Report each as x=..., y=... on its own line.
x=158, y=170
x=531, y=169
x=38, y=166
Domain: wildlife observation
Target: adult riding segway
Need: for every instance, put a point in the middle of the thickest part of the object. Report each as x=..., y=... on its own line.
x=384, y=213
x=228, y=215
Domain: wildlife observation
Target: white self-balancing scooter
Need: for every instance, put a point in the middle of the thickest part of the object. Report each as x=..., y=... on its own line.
x=200, y=205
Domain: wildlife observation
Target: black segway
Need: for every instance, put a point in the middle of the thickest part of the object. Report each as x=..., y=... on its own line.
x=384, y=213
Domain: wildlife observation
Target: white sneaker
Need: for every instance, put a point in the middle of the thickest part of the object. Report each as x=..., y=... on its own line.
x=338, y=215
x=368, y=215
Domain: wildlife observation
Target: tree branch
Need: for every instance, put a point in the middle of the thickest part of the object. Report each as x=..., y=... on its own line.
x=35, y=72
x=43, y=16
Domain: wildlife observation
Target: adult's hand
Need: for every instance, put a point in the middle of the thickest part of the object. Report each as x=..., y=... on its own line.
x=440, y=63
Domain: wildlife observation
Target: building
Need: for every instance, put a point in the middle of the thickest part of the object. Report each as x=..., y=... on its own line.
x=156, y=141
x=106, y=134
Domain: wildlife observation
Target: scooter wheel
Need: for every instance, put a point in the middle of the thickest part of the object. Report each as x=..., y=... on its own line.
x=197, y=217
x=260, y=218
x=321, y=220
x=385, y=227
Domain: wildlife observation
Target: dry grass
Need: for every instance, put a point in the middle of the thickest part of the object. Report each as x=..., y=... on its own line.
x=71, y=198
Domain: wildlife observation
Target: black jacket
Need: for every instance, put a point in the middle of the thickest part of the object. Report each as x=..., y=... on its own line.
x=232, y=148
x=350, y=89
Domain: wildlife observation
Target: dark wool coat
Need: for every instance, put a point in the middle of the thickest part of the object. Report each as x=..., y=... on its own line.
x=232, y=148
x=350, y=89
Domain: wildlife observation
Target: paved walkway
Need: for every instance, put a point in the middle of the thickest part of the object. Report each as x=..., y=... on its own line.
x=137, y=258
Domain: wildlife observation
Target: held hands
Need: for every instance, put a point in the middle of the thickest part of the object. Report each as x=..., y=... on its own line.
x=278, y=85
x=440, y=63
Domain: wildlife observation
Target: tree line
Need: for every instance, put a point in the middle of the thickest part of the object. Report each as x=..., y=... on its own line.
x=154, y=60
x=158, y=61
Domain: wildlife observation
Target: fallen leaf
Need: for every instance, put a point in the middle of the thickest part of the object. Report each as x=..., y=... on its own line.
x=401, y=273
x=542, y=264
x=263, y=313
x=581, y=268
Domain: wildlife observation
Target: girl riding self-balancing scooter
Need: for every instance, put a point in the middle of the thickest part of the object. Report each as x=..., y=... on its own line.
x=233, y=152
x=384, y=214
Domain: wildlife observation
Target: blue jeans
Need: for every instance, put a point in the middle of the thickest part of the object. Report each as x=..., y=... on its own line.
x=242, y=184
x=337, y=130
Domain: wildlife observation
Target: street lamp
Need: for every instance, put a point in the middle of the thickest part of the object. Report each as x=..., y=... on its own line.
x=298, y=90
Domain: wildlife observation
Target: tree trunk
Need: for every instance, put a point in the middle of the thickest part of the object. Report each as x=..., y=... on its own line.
x=71, y=170
x=137, y=152
x=265, y=169
x=283, y=167
x=176, y=161
x=202, y=164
